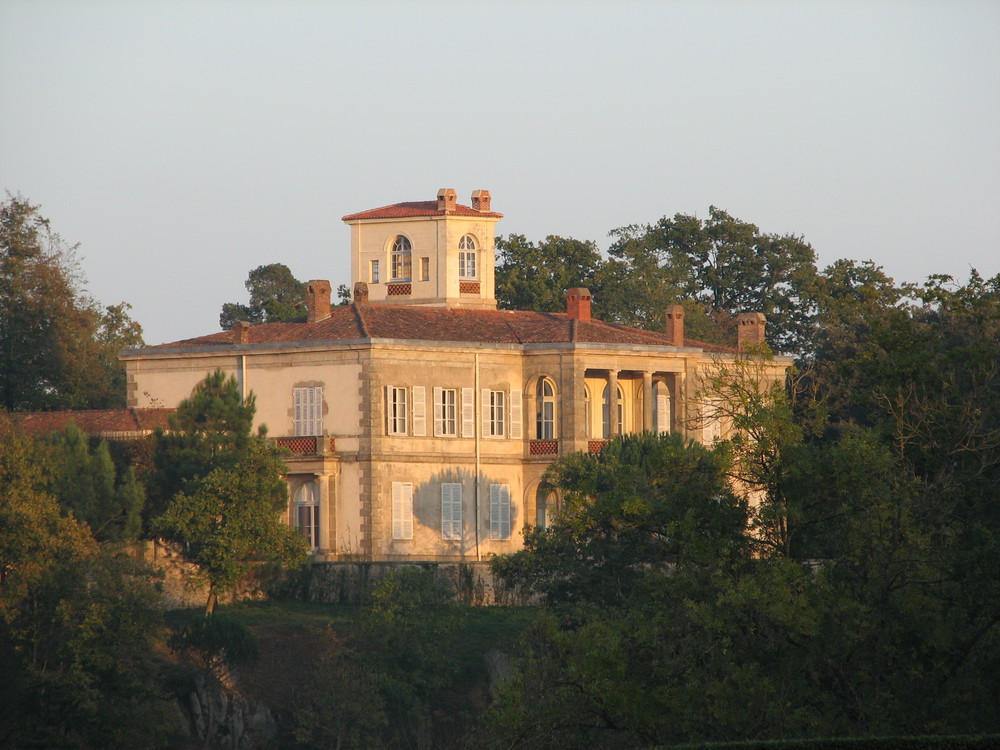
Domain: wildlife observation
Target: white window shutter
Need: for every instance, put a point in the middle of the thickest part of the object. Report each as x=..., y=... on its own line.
x=451, y=511
x=662, y=410
x=388, y=410
x=515, y=415
x=487, y=412
x=419, y=411
x=499, y=511
x=438, y=395
x=468, y=413
x=402, y=510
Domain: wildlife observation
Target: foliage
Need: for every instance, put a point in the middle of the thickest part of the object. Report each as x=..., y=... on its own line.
x=275, y=296
x=536, y=277
x=220, y=642
x=86, y=483
x=58, y=348
x=231, y=519
x=77, y=623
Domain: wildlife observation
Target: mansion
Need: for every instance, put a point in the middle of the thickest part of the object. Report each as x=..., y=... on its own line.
x=419, y=419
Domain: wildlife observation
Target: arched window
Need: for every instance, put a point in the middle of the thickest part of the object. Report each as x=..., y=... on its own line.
x=305, y=513
x=545, y=410
x=401, y=264
x=467, y=257
x=662, y=408
x=606, y=413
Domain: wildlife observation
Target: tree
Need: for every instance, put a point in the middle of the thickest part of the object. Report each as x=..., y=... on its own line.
x=536, y=277
x=222, y=487
x=77, y=623
x=726, y=264
x=58, y=349
x=275, y=296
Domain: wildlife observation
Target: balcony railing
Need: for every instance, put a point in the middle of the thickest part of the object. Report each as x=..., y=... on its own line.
x=397, y=290
x=596, y=446
x=306, y=446
x=543, y=448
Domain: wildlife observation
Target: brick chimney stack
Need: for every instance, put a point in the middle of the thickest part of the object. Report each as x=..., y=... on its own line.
x=750, y=330
x=360, y=293
x=578, y=303
x=317, y=300
x=447, y=200
x=241, y=332
x=481, y=200
x=675, y=325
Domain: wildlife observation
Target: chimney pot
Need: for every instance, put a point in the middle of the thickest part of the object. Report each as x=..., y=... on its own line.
x=578, y=303
x=750, y=330
x=675, y=325
x=447, y=200
x=317, y=300
x=481, y=200
x=360, y=293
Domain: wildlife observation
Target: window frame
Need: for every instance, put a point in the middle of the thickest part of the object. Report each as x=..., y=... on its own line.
x=468, y=257
x=396, y=400
x=401, y=259
x=445, y=412
x=308, y=508
x=374, y=272
x=545, y=409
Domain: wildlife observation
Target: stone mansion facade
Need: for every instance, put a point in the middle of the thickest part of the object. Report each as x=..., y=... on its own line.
x=419, y=419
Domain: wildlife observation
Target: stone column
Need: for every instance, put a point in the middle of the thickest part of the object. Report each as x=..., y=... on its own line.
x=647, y=402
x=614, y=428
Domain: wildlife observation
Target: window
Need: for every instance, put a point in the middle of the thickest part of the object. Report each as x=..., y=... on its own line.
x=402, y=510
x=451, y=511
x=305, y=513
x=545, y=410
x=395, y=410
x=711, y=422
x=494, y=413
x=500, y=511
x=468, y=413
x=308, y=417
x=401, y=259
x=425, y=269
x=374, y=272
x=661, y=407
x=467, y=257
x=445, y=423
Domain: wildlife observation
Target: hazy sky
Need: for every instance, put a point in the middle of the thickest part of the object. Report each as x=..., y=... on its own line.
x=184, y=143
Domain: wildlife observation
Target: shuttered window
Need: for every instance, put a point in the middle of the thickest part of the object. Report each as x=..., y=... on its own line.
x=500, y=511
x=402, y=510
x=451, y=511
x=445, y=424
x=662, y=405
x=308, y=412
x=395, y=410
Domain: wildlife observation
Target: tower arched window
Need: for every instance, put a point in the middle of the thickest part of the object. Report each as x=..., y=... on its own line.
x=305, y=513
x=467, y=258
x=401, y=259
x=545, y=410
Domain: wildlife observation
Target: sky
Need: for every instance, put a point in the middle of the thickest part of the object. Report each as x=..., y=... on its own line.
x=182, y=144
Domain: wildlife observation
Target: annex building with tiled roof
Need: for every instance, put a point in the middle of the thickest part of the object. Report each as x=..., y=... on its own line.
x=419, y=419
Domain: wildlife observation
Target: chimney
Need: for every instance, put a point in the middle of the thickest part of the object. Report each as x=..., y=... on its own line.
x=447, y=200
x=481, y=200
x=675, y=325
x=750, y=330
x=578, y=303
x=241, y=332
x=360, y=293
x=317, y=300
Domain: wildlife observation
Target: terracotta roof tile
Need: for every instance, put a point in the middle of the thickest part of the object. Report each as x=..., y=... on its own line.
x=413, y=323
x=415, y=209
x=92, y=421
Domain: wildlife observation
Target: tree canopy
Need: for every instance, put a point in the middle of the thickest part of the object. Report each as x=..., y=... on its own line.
x=58, y=347
x=275, y=296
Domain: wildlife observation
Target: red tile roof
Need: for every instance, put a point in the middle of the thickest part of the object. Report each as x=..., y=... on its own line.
x=416, y=209
x=101, y=422
x=412, y=323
